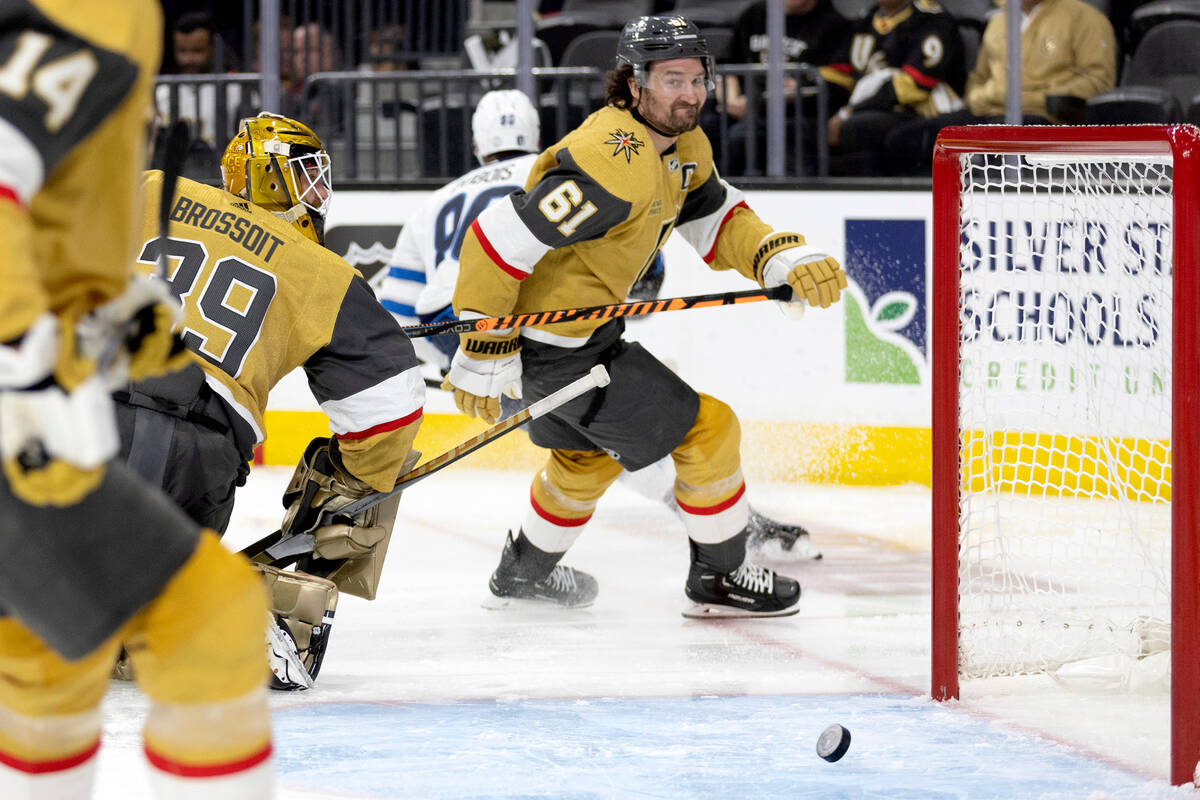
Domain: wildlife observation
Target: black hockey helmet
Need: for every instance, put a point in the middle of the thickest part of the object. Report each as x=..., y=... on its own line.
x=661, y=38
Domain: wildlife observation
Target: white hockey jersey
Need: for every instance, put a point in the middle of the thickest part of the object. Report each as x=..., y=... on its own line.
x=419, y=280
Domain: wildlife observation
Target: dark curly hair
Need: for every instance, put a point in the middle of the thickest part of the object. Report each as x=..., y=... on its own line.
x=616, y=90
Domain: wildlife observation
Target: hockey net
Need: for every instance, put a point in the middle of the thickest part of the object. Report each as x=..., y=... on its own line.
x=1061, y=256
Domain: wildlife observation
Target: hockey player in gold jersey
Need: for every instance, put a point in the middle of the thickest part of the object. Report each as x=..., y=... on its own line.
x=594, y=212
x=261, y=297
x=90, y=555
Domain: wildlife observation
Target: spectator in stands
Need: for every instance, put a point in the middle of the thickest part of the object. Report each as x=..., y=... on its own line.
x=222, y=17
x=311, y=50
x=196, y=45
x=384, y=45
x=198, y=49
x=902, y=63
x=1068, y=54
x=304, y=50
x=813, y=30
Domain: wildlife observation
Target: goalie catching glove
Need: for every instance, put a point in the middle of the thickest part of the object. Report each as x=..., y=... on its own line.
x=350, y=551
x=816, y=278
x=485, y=366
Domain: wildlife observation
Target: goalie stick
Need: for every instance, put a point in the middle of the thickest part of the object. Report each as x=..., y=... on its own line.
x=278, y=549
x=174, y=153
x=637, y=308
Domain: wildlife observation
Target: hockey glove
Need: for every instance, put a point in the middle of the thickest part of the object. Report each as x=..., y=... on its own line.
x=478, y=382
x=57, y=425
x=132, y=336
x=816, y=278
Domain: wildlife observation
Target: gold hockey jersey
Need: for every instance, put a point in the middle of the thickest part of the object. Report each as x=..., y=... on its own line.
x=596, y=209
x=260, y=299
x=75, y=82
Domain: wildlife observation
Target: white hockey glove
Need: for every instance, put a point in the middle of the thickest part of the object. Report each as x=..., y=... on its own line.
x=132, y=336
x=477, y=383
x=57, y=425
x=816, y=278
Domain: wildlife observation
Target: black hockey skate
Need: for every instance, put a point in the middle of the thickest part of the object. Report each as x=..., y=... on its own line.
x=748, y=591
x=515, y=579
x=778, y=541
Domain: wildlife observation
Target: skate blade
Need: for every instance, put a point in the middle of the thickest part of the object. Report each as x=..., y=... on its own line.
x=494, y=603
x=714, y=611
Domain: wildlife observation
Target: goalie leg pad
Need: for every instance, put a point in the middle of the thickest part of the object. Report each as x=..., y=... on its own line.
x=306, y=605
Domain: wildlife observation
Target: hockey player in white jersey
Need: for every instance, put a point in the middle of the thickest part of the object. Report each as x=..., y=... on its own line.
x=418, y=284
x=419, y=281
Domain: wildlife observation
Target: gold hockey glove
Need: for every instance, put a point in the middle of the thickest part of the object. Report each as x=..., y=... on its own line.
x=816, y=278
x=484, y=367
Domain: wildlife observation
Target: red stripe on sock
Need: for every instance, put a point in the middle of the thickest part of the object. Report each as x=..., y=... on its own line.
x=562, y=522
x=705, y=511
x=9, y=194
x=173, y=767
x=56, y=765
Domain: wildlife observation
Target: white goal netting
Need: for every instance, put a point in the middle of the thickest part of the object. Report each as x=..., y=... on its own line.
x=1064, y=411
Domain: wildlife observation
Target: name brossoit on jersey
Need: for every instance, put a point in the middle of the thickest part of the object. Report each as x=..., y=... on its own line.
x=261, y=299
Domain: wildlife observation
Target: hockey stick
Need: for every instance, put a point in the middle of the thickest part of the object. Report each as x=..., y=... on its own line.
x=638, y=308
x=174, y=152
x=277, y=546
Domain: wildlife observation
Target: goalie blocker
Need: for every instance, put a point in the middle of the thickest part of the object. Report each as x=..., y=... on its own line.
x=350, y=552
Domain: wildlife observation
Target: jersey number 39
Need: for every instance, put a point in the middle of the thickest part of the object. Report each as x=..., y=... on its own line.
x=233, y=297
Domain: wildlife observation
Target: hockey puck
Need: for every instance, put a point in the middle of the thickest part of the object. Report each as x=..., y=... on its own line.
x=834, y=742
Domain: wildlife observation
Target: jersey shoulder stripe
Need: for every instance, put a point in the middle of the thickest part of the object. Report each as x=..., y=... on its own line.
x=569, y=204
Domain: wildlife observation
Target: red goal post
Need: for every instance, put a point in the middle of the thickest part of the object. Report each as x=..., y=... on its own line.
x=1022, y=446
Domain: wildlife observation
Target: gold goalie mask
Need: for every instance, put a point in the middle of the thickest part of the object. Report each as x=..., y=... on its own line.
x=279, y=164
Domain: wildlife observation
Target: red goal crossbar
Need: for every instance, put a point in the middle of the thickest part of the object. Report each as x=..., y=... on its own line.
x=1182, y=144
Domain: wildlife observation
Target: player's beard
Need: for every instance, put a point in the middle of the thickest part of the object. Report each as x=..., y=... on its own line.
x=681, y=119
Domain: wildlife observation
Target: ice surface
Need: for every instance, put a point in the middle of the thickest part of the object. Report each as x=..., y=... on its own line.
x=426, y=694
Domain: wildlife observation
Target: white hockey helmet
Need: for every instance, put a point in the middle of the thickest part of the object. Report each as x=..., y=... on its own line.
x=505, y=120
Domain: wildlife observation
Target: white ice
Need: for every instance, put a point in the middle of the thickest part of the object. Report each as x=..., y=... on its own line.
x=424, y=693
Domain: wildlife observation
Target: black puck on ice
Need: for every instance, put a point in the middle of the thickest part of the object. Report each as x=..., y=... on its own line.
x=834, y=742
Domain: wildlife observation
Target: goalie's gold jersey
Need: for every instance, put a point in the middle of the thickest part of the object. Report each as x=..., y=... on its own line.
x=261, y=299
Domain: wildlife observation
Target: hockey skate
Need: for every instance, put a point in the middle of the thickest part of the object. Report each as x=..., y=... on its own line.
x=288, y=672
x=748, y=591
x=512, y=583
x=773, y=540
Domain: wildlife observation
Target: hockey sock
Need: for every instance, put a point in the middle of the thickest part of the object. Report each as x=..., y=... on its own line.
x=723, y=556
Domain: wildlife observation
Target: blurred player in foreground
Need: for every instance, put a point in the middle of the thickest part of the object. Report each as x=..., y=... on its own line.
x=418, y=284
x=596, y=209
x=262, y=297
x=90, y=555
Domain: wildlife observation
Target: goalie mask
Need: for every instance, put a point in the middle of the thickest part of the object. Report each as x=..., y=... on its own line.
x=505, y=121
x=279, y=164
x=662, y=38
